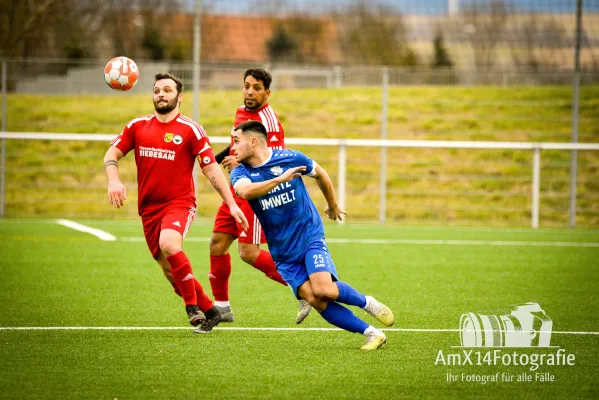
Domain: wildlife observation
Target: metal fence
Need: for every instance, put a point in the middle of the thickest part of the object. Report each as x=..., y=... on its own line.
x=351, y=103
x=63, y=77
x=421, y=190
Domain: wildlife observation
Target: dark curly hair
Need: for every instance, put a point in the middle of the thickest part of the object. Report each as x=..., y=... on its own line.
x=260, y=75
x=166, y=75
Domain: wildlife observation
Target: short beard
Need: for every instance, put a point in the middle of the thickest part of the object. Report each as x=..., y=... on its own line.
x=257, y=106
x=165, y=109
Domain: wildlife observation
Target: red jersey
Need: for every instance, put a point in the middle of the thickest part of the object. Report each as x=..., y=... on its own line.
x=165, y=154
x=266, y=115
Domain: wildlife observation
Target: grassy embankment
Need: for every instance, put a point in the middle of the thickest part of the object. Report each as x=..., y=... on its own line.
x=425, y=185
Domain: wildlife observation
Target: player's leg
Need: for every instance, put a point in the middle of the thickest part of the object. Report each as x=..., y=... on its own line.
x=249, y=245
x=166, y=270
x=325, y=285
x=151, y=225
x=180, y=266
x=174, y=226
x=338, y=315
x=329, y=287
x=250, y=252
x=224, y=234
x=260, y=259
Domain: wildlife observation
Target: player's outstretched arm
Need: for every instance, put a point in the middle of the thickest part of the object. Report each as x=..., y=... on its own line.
x=332, y=210
x=249, y=191
x=219, y=182
x=117, y=193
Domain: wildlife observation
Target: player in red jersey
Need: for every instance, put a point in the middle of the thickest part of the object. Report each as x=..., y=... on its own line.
x=256, y=91
x=166, y=145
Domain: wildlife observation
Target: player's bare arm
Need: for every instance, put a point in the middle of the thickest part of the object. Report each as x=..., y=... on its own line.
x=249, y=191
x=332, y=210
x=219, y=182
x=117, y=192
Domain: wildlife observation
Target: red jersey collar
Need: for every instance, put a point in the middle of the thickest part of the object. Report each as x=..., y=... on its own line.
x=172, y=120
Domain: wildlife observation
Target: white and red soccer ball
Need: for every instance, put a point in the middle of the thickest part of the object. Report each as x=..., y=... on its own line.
x=121, y=73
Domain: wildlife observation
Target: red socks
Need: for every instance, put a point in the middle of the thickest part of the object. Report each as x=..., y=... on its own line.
x=204, y=301
x=220, y=271
x=265, y=263
x=190, y=289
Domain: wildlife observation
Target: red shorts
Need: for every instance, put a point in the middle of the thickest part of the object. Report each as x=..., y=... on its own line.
x=175, y=215
x=225, y=223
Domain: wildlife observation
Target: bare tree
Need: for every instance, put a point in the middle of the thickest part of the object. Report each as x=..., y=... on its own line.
x=315, y=38
x=370, y=33
x=551, y=39
x=523, y=42
x=535, y=41
x=488, y=22
x=24, y=24
x=134, y=26
x=59, y=28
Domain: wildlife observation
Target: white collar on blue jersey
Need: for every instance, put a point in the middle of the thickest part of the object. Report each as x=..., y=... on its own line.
x=267, y=160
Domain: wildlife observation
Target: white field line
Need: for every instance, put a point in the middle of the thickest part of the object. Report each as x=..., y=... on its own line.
x=421, y=242
x=84, y=228
x=233, y=328
x=465, y=242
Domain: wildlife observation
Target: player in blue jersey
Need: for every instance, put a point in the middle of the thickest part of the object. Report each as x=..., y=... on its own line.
x=271, y=181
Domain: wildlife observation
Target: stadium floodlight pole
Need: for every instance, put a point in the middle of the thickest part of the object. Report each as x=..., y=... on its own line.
x=383, y=176
x=3, y=151
x=453, y=7
x=575, y=111
x=197, y=38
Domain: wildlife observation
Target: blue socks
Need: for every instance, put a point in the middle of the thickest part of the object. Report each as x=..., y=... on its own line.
x=336, y=314
x=349, y=295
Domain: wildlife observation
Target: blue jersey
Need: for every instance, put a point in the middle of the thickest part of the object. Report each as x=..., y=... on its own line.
x=287, y=214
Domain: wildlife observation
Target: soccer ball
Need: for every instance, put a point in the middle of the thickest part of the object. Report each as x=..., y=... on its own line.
x=121, y=73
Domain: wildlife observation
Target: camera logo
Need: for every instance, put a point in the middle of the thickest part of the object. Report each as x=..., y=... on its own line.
x=527, y=325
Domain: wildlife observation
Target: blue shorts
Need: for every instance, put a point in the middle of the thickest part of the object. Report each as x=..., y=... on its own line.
x=314, y=258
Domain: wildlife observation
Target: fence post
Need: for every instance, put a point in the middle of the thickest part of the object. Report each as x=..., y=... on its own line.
x=338, y=76
x=383, y=173
x=341, y=178
x=329, y=79
x=575, y=111
x=197, y=42
x=3, y=144
x=536, y=186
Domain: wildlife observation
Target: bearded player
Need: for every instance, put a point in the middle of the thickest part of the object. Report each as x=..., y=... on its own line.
x=166, y=145
x=256, y=91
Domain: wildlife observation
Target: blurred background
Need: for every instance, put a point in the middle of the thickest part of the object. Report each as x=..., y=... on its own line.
x=524, y=71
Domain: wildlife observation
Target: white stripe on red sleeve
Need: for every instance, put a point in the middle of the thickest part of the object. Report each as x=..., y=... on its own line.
x=270, y=111
x=265, y=120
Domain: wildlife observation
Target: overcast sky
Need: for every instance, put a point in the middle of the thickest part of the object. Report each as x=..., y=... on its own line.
x=405, y=6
